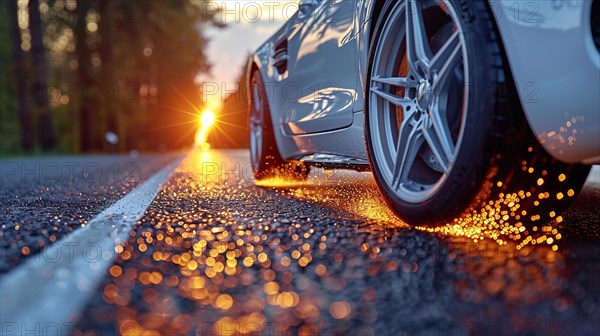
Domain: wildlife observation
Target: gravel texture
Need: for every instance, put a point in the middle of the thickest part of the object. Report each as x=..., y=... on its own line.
x=216, y=254
x=42, y=200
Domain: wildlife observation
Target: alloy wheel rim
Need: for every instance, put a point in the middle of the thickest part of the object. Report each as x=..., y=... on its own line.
x=415, y=124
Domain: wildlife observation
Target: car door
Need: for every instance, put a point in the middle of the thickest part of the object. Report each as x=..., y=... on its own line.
x=320, y=89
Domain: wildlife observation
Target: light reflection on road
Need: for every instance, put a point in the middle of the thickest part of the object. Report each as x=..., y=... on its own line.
x=220, y=255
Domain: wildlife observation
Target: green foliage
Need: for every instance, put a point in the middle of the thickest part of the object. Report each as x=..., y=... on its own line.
x=166, y=35
x=9, y=126
x=121, y=66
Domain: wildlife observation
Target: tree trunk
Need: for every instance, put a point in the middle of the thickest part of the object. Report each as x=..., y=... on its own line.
x=47, y=135
x=109, y=110
x=84, y=54
x=20, y=75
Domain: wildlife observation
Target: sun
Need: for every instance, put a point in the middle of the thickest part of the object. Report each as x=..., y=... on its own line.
x=205, y=122
x=207, y=119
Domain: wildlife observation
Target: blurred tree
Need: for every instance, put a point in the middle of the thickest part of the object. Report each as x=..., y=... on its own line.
x=109, y=110
x=40, y=78
x=20, y=73
x=84, y=76
x=60, y=19
x=231, y=130
x=151, y=52
x=9, y=123
x=96, y=66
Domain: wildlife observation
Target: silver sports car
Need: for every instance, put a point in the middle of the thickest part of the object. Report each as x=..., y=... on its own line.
x=455, y=106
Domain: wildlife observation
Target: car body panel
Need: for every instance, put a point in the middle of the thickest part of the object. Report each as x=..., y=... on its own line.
x=320, y=91
x=556, y=68
x=550, y=50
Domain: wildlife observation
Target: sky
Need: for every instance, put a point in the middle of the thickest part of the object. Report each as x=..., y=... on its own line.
x=249, y=24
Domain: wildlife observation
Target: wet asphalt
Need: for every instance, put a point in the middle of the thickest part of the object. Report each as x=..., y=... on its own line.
x=42, y=200
x=216, y=254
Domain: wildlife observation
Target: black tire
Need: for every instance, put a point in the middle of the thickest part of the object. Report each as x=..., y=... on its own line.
x=269, y=163
x=498, y=148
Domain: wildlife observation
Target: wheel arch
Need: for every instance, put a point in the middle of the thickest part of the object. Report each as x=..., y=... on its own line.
x=543, y=76
x=251, y=67
x=375, y=13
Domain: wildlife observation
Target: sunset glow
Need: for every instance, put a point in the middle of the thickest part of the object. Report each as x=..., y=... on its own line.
x=206, y=121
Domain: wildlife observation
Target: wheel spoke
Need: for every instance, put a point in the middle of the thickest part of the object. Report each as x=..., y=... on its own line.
x=445, y=61
x=438, y=137
x=254, y=120
x=398, y=101
x=256, y=96
x=416, y=72
x=258, y=137
x=256, y=128
x=396, y=81
x=410, y=140
x=417, y=46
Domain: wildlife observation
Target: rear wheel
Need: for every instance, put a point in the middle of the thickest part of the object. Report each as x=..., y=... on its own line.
x=264, y=155
x=441, y=129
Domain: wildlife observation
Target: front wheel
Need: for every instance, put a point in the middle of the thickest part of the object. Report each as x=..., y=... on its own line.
x=442, y=134
x=264, y=155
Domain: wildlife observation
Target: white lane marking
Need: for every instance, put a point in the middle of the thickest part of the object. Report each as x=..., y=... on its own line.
x=594, y=177
x=45, y=294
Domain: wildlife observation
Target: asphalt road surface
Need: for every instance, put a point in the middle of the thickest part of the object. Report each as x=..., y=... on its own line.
x=186, y=243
